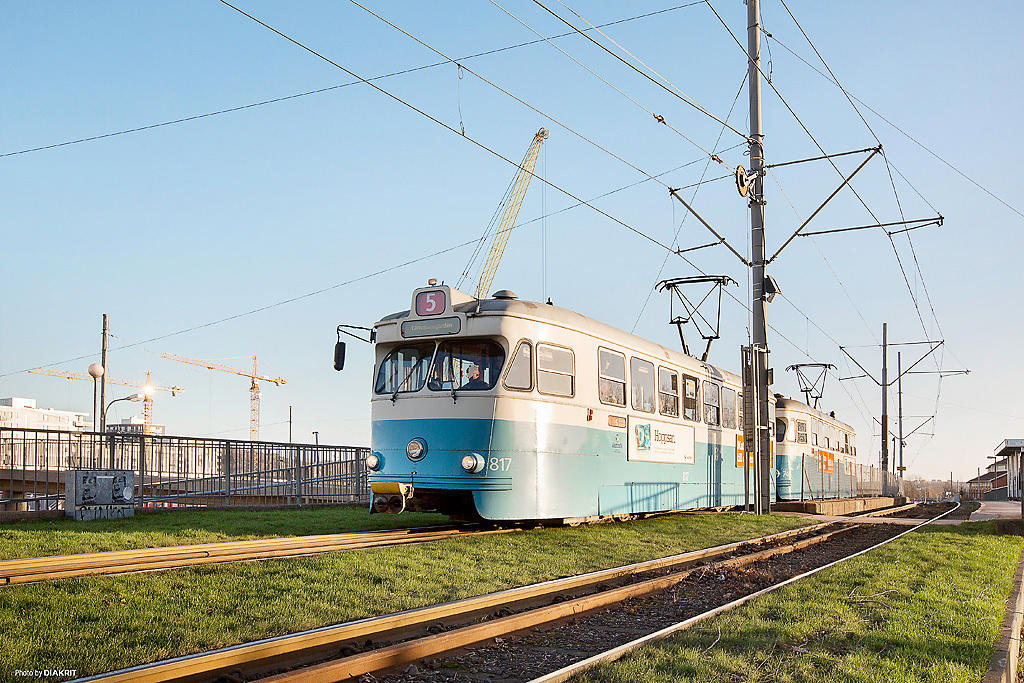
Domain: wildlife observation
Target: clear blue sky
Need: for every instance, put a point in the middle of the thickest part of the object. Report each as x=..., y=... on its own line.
x=171, y=228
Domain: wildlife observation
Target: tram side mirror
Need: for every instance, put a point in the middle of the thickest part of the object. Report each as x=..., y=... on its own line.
x=339, y=356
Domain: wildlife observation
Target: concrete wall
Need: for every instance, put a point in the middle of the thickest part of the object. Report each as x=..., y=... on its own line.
x=845, y=506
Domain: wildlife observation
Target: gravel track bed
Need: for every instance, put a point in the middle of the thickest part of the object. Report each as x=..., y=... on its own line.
x=922, y=511
x=528, y=655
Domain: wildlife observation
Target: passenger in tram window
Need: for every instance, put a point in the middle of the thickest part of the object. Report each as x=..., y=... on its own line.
x=474, y=381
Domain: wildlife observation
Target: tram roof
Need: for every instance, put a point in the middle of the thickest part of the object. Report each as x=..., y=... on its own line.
x=783, y=403
x=572, y=320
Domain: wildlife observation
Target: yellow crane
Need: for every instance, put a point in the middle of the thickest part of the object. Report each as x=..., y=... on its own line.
x=254, y=387
x=147, y=388
x=516, y=194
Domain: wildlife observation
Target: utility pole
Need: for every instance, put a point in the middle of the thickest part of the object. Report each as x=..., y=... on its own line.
x=103, y=377
x=899, y=393
x=885, y=413
x=289, y=424
x=759, y=301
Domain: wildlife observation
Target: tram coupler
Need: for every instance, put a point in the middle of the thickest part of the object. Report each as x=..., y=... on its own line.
x=389, y=497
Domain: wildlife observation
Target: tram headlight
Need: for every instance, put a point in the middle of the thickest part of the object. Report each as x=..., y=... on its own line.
x=416, y=449
x=374, y=462
x=473, y=463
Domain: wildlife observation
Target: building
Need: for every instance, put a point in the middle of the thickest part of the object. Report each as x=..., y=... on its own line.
x=989, y=485
x=1006, y=459
x=22, y=413
x=135, y=425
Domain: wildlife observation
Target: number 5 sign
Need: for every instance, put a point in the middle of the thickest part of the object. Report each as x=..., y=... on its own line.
x=430, y=303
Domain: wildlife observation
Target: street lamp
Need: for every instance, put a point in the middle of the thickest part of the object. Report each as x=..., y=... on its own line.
x=95, y=371
x=134, y=398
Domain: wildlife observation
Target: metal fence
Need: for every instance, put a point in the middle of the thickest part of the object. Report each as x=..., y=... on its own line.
x=173, y=471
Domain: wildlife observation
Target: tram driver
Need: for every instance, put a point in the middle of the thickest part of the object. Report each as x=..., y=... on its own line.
x=474, y=381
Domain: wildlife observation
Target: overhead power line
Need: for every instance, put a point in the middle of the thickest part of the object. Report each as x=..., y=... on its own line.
x=905, y=134
x=307, y=93
x=355, y=280
x=892, y=182
x=657, y=117
x=668, y=88
x=515, y=97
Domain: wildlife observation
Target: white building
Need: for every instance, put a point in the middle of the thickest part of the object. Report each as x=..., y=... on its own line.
x=22, y=413
x=135, y=425
x=1007, y=459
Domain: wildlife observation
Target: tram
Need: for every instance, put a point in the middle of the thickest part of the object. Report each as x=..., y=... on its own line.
x=816, y=453
x=509, y=410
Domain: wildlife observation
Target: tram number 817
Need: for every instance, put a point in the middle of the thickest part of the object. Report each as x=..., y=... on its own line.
x=499, y=464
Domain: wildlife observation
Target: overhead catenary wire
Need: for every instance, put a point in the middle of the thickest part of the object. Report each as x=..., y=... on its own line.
x=515, y=97
x=317, y=91
x=892, y=181
x=668, y=88
x=892, y=167
x=678, y=228
x=361, y=278
x=904, y=133
x=658, y=117
x=813, y=139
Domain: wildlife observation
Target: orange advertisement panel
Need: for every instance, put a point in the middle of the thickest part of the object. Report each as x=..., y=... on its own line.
x=740, y=450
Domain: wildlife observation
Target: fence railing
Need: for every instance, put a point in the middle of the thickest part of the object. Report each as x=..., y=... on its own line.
x=180, y=470
x=812, y=477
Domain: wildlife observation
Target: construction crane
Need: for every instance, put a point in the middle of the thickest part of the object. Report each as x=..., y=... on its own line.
x=254, y=387
x=147, y=388
x=517, y=192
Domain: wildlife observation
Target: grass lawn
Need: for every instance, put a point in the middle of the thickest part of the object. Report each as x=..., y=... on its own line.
x=180, y=527
x=98, y=624
x=924, y=608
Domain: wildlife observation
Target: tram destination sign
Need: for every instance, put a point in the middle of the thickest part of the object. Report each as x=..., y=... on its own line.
x=431, y=327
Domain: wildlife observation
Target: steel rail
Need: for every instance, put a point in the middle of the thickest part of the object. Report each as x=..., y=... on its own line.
x=889, y=510
x=294, y=649
x=36, y=569
x=433, y=645
x=31, y=570
x=615, y=653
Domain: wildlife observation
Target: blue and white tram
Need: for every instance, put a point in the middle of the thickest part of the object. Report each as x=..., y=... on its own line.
x=816, y=453
x=511, y=410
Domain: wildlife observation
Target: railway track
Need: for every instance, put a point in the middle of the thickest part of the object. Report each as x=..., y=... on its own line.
x=617, y=652
x=378, y=644
x=32, y=570
x=36, y=569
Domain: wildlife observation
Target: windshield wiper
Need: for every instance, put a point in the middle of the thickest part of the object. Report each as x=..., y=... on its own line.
x=398, y=387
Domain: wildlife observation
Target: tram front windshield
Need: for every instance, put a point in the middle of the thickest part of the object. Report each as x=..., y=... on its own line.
x=471, y=365
x=404, y=369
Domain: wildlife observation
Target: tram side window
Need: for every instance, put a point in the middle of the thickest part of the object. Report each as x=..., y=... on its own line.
x=792, y=432
x=668, y=392
x=467, y=365
x=520, y=370
x=801, y=431
x=728, y=408
x=780, y=429
x=691, y=409
x=712, y=411
x=556, y=372
x=815, y=432
x=846, y=442
x=642, y=392
x=404, y=369
x=611, y=377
